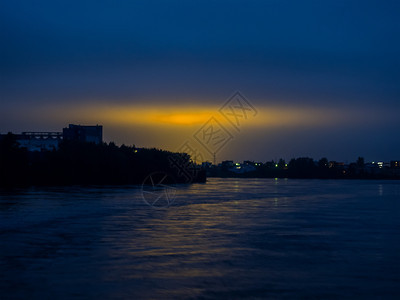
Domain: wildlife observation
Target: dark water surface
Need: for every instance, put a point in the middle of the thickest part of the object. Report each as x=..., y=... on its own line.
x=229, y=238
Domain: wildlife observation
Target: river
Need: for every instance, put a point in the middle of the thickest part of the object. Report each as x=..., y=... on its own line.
x=227, y=238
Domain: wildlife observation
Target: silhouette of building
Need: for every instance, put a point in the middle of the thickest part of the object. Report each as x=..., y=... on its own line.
x=246, y=166
x=227, y=164
x=89, y=134
x=47, y=141
x=395, y=164
x=39, y=141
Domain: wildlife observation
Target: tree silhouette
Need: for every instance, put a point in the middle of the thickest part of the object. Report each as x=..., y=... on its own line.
x=360, y=162
x=88, y=163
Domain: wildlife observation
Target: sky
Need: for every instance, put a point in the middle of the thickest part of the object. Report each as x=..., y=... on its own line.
x=316, y=78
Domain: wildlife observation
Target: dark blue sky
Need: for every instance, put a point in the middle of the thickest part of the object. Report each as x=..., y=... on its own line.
x=341, y=55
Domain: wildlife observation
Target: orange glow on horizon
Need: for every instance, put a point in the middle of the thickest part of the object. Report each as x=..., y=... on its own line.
x=182, y=118
x=150, y=116
x=195, y=116
x=167, y=127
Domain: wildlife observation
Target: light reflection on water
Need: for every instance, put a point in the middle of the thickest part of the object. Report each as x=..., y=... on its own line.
x=229, y=238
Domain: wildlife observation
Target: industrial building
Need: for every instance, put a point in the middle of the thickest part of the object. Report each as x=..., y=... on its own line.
x=39, y=141
x=89, y=134
x=47, y=141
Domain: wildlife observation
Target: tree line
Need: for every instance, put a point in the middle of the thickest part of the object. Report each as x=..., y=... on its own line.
x=306, y=167
x=88, y=163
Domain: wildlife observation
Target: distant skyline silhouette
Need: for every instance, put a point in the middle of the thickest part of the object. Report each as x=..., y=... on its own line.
x=323, y=75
